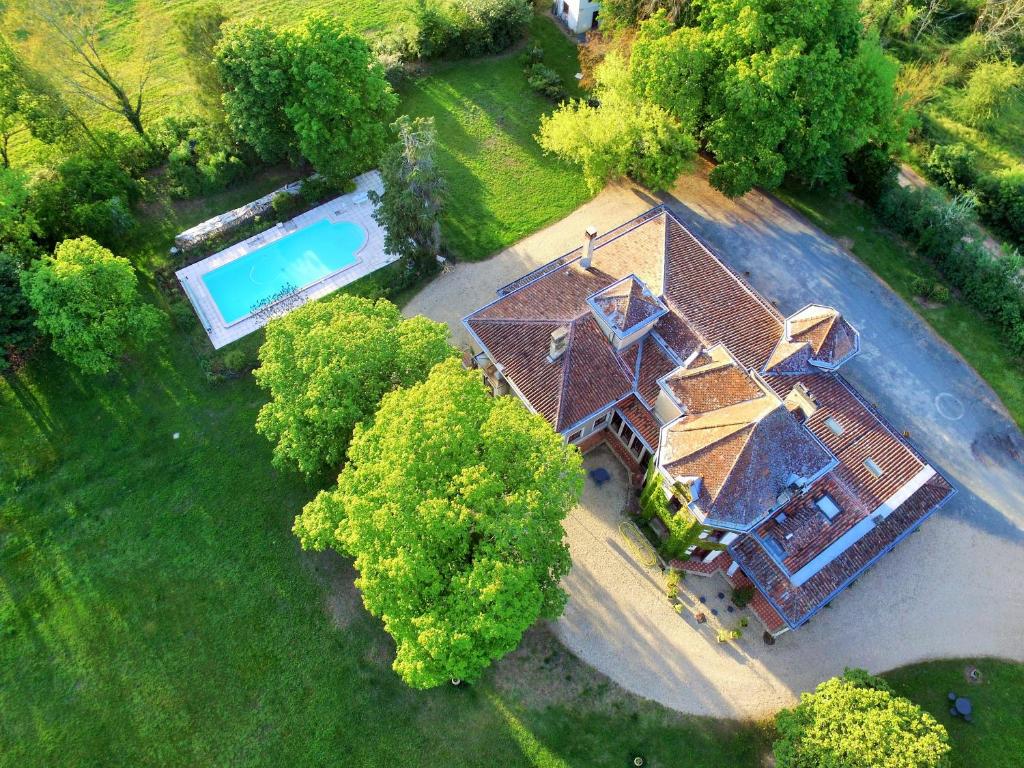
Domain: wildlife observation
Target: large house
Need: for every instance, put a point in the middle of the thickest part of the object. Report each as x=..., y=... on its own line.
x=642, y=339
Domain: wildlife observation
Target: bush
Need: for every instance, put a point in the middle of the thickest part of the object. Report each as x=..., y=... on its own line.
x=202, y=157
x=284, y=204
x=991, y=89
x=931, y=290
x=236, y=361
x=456, y=29
x=952, y=166
x=1002, y=198
x=316, y=189
x=545, y=81
x=872, y=171
x=741, y=596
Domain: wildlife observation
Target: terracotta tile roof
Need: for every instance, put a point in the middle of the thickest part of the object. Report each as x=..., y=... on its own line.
x=797, y=604
x=710, y=384
x=716, y=303
x=744, y=455
x=654, y=363
x=640, y=417
x=627, y=304
x=676, y=334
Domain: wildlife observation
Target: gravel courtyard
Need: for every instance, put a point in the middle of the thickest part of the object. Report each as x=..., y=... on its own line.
x=949, y=590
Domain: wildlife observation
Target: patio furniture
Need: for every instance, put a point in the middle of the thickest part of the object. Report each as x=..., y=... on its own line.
x=963, y=706
x=600, y=476
x=952, y=696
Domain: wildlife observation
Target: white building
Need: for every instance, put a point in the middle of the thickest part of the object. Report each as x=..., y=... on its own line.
x=578, y=15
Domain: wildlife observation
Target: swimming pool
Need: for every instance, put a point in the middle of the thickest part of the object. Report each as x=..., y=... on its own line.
x=295, y=261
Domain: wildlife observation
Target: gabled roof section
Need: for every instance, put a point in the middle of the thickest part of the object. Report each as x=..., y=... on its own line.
x=814, y=337
x=626, y=306
x=710, y=381
x=745, y=454
x=719, y=306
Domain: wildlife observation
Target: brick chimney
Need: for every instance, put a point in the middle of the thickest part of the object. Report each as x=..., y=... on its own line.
x=588, y=247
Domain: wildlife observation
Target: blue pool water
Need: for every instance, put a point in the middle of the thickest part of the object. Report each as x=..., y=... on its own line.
x=295, y=261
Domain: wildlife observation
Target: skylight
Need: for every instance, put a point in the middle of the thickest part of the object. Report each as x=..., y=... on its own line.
x=873, y=468
x=834, y=426
x=828, y=507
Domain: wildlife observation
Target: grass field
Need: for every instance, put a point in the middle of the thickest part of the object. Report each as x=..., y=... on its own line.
x=973, y=336
x=503, y=186
x=156, y=610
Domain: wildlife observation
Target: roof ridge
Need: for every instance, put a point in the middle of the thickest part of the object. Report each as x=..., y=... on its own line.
x=566, y=363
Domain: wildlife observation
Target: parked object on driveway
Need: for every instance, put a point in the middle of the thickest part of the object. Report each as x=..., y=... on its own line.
x=600, y=476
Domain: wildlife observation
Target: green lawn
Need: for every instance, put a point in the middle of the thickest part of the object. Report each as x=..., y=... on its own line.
x=996, y=737
x=503, y=186
x=155, y=608
x=973, y=336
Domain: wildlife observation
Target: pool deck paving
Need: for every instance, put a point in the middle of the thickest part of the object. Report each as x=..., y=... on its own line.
x=946, y=591
x=354, y=206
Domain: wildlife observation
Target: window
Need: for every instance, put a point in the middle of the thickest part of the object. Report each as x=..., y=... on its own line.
x=626, y=434
x=565, y=9
x=601, y=421
x=575, y=435
x=616, y=423
x=828, y=507
x=834, y=426
x=873, y=468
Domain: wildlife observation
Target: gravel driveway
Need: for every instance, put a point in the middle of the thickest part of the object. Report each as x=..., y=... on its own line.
x=950, y=590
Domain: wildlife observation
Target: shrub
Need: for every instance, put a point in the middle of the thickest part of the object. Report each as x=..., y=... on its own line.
x=456, y=29
x=990, y=90
x=872, y=171
x=284, y=204
x=952, y=166
x=236, y=361
x=741, y=596
x=317, y=188
x=17, y=329
x=931, y=290
x=1002, y=198
x=546, y=82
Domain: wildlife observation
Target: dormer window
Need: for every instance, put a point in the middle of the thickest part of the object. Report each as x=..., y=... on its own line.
x=834, y=426
x=872, y=467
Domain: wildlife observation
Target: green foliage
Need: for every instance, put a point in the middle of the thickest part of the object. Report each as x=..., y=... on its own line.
x=452, y=504
x=315, y=189
x=872, y=171
x=87, y=300
x=90, y=193
x=683, y=528
x=342, y=102
x=202, y=156
x=326, y=366
x=855, y=721
x=455, y=29
x=545, y=81
x=284, y=204
x=254, y=64
x=200, y=28
x=944, y=232
x=741, y=596
x=953, y=166
x=625, y=136
x=18, y=224
x=779, y=88
x=414, y=195
x=931, y=290
x=991, y=89
x=1002, y=198
x=17, y=323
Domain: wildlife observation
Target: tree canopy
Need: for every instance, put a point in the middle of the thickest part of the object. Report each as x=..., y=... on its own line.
x=624, y=135
x=788, y=88
x=341, y=102
x=414, y=194
x=326, y=366
x=452, y=504
x=17, y=326
x=855, y=721
x=87, y=300
x=316, y=90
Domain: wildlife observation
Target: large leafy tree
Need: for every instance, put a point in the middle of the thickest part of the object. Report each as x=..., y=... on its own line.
x=780, y=88
x=626, y=134
x=414, y=194
x=254, y=65
x=452, y=504
x=17, y=327
x=855, y=721
x=326, y=367
x=342, y=104
x=87, y=300
x=18, y=226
